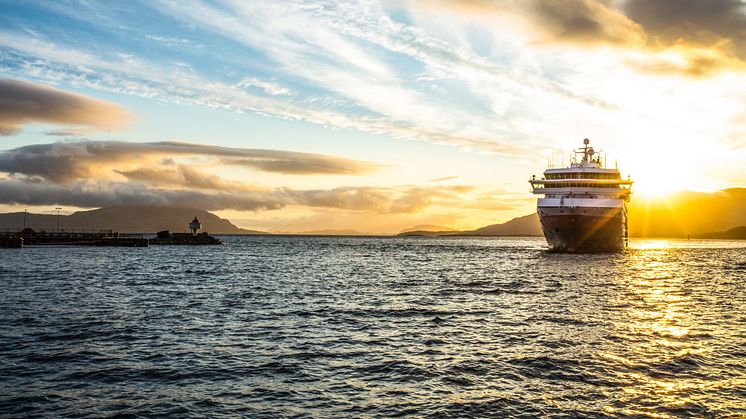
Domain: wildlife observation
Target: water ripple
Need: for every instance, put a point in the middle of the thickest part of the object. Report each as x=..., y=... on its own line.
x=373, y=327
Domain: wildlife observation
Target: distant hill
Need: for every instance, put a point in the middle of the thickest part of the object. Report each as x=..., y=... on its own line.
x=429, y=233
x=427, y=227
x=522, y=226
x=125, y=220
x=528, y=225
x=738, y=233
x=347, y=232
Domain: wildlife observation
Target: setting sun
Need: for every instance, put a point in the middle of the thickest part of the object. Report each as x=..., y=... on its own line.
x=652, y=184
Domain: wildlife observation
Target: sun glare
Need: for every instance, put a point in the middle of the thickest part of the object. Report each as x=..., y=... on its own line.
x=652, y=187
x=652, y=182
x=657, y=177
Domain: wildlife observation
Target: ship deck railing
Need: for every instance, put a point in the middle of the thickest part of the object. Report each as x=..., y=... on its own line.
x=578, y=180
x=583, y=192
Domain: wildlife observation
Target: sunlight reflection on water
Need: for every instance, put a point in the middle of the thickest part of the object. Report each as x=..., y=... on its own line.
x=684, y=244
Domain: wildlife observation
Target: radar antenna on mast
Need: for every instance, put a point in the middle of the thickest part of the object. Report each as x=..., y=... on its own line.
x=586, y=151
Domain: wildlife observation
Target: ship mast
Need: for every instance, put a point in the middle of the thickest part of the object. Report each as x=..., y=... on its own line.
x=588, y=153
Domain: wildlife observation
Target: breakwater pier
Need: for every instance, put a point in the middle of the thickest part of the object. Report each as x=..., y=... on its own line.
x=30, y=237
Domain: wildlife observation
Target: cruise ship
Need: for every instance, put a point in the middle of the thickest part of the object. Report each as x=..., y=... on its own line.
x=584, y=206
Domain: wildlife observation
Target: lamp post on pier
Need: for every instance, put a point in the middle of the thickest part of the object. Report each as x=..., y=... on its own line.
x=58, y=219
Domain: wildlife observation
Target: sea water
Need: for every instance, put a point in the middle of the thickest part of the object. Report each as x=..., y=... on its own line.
x=282, y=326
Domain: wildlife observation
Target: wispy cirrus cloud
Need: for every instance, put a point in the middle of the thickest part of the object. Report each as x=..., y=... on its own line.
x=268, y=86
x=368, y=95
x=458, y=73
x=23, y=102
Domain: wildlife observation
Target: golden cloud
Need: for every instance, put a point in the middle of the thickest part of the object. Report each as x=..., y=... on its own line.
x=104, y=173
x=93, y=194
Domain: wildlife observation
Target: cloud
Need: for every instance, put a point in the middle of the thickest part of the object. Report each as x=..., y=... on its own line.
x=69, y=161
x=717, y=23
x=179, y=175
x=105, y=173
x=577, y=21
x=400, y=199
x=443, y=179
x=94, y=194
x=703, y=35
x=268, y=86
x=711, y=34
x=23, y=102
x=582, y=21
x=349, y=86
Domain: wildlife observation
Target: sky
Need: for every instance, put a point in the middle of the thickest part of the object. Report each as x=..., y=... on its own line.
x=374, y=116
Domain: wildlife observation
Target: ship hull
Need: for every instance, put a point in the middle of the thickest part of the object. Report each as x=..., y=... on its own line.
x=584, y=229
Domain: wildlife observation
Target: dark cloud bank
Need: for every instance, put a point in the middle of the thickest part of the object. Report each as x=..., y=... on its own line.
x=62, y=162
x=106, y=173
x=23, y=102
x=83, y=194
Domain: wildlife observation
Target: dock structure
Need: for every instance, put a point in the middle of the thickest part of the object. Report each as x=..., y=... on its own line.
x=30, y=237
x=13, y=241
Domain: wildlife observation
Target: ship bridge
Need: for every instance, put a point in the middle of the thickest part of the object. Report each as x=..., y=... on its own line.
x=585, y=177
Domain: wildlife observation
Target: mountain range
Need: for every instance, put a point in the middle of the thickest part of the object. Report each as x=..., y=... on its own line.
x=528, y=225
x=124, y=220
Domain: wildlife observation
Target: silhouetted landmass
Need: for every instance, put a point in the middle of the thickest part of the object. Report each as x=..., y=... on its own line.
x=125, y=220
x=738, y=233
x=527, y=225
x=427, y=228
x=347, y=232
x=426, y=233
